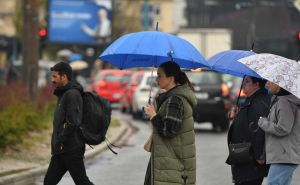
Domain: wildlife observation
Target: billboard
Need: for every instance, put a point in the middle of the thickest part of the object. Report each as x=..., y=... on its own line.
x=79, y=21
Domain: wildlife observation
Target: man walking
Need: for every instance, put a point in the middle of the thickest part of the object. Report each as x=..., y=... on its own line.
x=67, y=147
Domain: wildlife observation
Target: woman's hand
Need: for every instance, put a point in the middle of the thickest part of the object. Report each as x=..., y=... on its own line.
x=232, y=114
x=261, y=162
x=150, y=110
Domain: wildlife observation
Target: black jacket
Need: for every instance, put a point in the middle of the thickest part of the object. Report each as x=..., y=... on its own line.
x=67, y=117
x=244, y=128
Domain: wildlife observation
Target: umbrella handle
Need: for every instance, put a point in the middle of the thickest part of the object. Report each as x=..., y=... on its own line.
x=237, y=101
x=149, y=100
x=297, y=60
x=143, y=108
x=252, y=46
x=151, y=85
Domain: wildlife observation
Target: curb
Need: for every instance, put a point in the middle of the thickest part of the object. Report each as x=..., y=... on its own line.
x=89, y=154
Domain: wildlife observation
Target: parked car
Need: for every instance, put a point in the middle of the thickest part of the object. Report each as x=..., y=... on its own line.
x=107, y=83
x=212, y=97
x=141, y=94
x=127, y=96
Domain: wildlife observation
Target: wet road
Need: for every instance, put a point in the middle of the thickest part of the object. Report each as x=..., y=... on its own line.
x=129, y=166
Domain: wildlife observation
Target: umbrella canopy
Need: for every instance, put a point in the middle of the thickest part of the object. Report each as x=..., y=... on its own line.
x=150, y=49
x=279, y=70
x=78, y=65
x=227, y=62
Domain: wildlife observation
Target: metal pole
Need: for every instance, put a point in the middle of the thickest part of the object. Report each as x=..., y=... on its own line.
x=146, y=15
x=25, y=49
x=30, y=47
x=253, y=23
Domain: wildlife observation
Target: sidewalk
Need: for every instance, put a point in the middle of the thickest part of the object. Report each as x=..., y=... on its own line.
x=28, y=170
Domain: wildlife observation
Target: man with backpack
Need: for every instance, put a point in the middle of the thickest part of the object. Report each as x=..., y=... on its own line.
x=67, y=146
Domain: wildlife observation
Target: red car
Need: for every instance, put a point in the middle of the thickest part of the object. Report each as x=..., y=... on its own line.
x=126, y=99
x=110, y=83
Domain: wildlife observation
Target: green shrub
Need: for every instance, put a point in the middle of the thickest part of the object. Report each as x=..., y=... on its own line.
x=16, y=120
x=18, y=116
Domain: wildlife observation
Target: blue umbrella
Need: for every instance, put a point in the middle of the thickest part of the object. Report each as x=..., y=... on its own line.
x=150, y=49
x=227, y=62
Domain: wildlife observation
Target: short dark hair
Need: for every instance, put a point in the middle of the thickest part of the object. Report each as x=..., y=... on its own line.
x=63, y=68
x=261, y=82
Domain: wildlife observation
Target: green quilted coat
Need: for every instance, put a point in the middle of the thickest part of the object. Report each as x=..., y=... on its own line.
x=173, y=160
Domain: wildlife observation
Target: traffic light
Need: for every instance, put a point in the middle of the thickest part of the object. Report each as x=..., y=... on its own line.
x=43, y=32
x=43, y=38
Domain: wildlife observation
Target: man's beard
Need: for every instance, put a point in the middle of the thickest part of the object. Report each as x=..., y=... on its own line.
x=55, y=85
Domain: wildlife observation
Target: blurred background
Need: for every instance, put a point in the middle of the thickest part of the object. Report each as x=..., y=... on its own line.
x=36, y=34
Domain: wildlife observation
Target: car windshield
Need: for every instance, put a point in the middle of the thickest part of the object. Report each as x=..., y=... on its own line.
x=126, y=78
x=139, y=79
x=151, y=81
x=112, y=78
x=204, y=78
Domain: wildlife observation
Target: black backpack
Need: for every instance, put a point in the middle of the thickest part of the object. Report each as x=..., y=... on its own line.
x=96, y=117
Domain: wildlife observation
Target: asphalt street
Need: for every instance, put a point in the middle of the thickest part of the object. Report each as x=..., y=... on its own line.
x=129, y=166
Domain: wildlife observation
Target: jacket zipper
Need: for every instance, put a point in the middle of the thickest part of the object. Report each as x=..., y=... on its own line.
x=184, y=177
x=62, y=145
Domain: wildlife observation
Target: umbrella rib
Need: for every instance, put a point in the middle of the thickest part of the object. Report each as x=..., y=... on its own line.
x=189, y=56
x=123, y=61
x=154, y=64
x=138, y=44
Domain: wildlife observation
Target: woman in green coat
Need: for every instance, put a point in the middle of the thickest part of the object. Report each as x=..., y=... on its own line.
x=173, y=153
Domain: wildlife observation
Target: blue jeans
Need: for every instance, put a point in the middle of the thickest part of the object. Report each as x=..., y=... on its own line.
x=281, y=174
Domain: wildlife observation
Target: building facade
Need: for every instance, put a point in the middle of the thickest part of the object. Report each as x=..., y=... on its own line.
x=144, y=14
x=271, y=25
x=7, y=34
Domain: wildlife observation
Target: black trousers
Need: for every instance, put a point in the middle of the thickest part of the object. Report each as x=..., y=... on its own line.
x=254, y=182
x=70, y=161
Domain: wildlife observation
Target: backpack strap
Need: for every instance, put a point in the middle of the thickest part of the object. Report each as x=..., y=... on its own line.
x=109, y=143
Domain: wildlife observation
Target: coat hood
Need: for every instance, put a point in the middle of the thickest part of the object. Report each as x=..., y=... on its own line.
x=180, y=90
x=293, y=99
x=254, y=95
x=59, y=91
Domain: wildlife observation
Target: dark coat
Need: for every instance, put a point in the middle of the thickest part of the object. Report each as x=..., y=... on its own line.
x=67, y=117
x=244, y=128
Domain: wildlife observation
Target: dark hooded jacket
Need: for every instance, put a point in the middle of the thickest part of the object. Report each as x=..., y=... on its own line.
x=244, y=128
x=67, y=117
